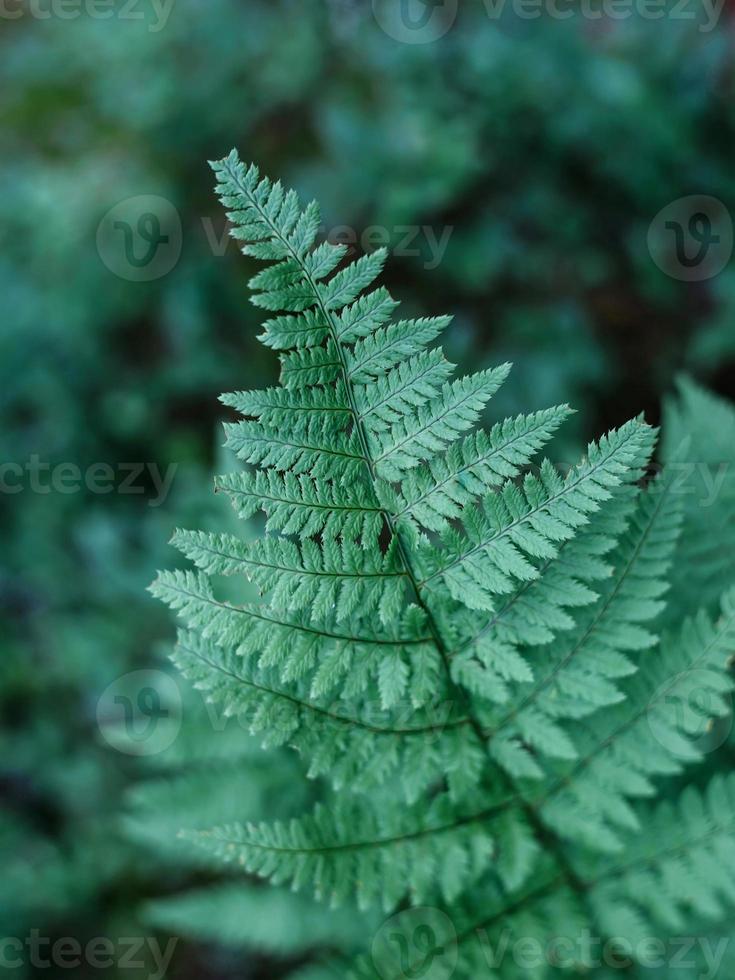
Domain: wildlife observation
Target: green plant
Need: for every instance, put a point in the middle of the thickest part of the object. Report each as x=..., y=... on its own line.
x=466, y=650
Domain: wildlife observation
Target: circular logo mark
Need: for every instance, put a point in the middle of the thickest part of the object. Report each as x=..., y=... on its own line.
x=418, y=944
x=691, y=239
x=697, y=712
x=140, y=712
x=140, y=238
x=415, y=21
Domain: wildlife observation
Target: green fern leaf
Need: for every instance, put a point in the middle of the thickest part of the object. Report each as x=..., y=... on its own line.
x=467, y=649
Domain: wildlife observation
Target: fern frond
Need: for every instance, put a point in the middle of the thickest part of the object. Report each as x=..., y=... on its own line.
x=684, y=863
x=300, y=505
x=483, y=935
x=546, y=606
x=433, y=425
x=435, y=494
x=411, y=564
x=430, y=851
x=243, y=915
x=372, y=357
x=313, y=446
x=282, y=406
x=349, y=435
x=579, y=673
x=306, y=368
x=340, y=658
x=332, y=580
x=158, y=809
x=347, y=743
x=653, y=732
x=699, y=448
x=491, y=554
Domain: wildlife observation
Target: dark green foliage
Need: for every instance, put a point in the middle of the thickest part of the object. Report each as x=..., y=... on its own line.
x=542, y=150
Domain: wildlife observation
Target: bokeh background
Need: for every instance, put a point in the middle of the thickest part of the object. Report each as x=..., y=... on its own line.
x=518, y=168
